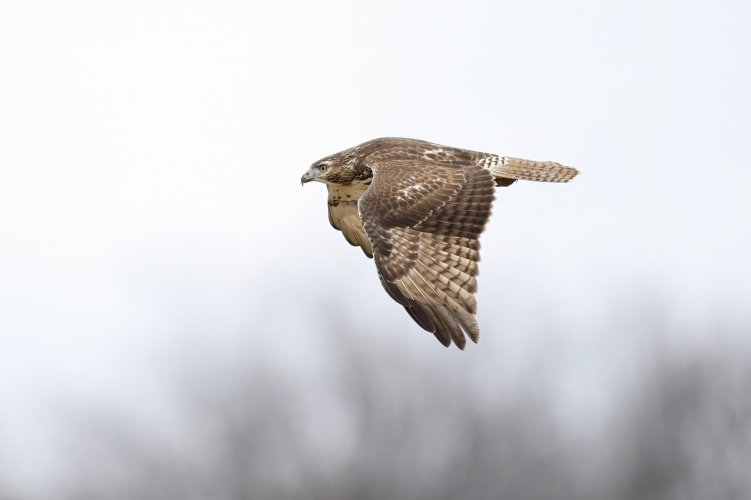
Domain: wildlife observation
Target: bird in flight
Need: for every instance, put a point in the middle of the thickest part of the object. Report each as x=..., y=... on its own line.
x=418, y=209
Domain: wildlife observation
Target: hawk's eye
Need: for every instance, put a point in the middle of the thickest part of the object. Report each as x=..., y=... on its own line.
x=322, y=168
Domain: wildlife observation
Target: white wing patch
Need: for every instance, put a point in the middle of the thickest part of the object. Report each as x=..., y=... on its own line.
x=410, y=191
x=493, y=161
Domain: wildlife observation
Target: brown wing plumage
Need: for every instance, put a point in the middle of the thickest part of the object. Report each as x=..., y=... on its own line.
x=418, y=208
x=343, y=214
x=423, y=220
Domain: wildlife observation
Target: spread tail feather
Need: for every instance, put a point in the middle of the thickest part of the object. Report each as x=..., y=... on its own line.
x=509, y=168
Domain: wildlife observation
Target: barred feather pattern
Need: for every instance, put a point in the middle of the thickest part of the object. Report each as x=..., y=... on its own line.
x=430, y=265
x=507, y=167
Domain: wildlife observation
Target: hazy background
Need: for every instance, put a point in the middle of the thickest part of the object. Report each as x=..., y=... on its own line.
x=178, y=319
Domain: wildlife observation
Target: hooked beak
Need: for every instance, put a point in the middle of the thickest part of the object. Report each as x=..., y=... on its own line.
x=305, y=178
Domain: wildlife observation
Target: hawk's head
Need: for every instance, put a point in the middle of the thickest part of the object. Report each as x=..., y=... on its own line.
x=342, y=168
x=326, y=171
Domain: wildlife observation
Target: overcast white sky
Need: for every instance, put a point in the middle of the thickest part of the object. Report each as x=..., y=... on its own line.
x=150, y=156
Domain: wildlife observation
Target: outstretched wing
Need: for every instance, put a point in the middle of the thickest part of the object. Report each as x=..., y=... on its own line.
x=343, y=214
x=423, y=220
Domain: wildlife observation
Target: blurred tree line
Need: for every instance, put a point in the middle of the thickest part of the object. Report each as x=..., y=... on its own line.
x=386, y=423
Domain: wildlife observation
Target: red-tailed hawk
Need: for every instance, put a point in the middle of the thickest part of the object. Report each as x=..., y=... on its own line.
x=418, y=209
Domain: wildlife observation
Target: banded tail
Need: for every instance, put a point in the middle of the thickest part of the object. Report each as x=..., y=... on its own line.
x=506, y=170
